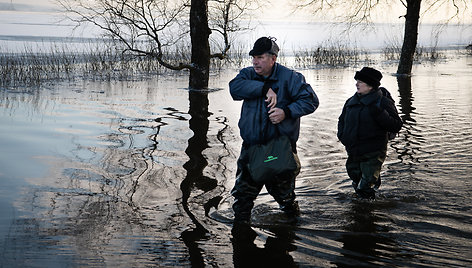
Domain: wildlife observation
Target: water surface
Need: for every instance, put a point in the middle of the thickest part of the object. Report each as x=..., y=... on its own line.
x=137, y=174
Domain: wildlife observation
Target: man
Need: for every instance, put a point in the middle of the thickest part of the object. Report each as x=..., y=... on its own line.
x=274, y=98
x=363, y=126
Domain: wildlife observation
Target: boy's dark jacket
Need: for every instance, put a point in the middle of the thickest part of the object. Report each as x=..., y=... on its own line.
x=365, y=121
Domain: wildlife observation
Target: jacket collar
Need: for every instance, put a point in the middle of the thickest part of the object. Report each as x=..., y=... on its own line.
x=272, y=77
x=366, y=99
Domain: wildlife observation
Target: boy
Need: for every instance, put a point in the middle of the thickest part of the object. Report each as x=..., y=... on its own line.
x=363, y=126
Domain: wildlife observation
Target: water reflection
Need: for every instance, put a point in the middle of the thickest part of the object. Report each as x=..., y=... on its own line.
x=408, y=143
x=365, y=243
x=125, y=176
x=275, y=253
x=195, y=179
x=406, y=98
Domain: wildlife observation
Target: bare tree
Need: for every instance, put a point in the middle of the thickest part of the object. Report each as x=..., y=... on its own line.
x=159, y=28
x=360, y=11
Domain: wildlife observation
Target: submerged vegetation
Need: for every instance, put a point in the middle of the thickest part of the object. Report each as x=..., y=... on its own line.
x=469, y=49
x=33, y=68
x=421, y=53
x=330, y=55
x=104, y=62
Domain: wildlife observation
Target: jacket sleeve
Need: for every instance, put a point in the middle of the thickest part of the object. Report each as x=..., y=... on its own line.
x=305, y=101
x=340, y=133
x=243, y=87
x=388, y=118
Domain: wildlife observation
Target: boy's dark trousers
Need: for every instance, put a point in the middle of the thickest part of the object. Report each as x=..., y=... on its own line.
x=364, y=171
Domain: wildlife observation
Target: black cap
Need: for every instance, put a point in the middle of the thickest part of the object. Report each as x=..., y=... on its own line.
x=265, y=45
x=369, y=76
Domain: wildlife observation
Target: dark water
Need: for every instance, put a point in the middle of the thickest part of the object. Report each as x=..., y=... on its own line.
x=138, y=174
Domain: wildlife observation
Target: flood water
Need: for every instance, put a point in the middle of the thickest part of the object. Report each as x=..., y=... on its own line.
x=138, y=174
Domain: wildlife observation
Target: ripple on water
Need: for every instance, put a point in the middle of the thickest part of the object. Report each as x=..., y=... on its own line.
x=126, y=178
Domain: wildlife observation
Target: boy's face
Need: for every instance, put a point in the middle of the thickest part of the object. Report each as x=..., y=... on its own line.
x=362, y=88
x=263, y=63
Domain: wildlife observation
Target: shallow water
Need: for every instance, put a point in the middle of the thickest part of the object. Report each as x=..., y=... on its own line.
x=137, y=174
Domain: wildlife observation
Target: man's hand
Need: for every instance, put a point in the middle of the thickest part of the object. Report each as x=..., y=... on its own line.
x=271, y=98
x=276, y=115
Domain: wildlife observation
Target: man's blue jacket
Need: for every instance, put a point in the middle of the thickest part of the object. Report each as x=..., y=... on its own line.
x=294, y=96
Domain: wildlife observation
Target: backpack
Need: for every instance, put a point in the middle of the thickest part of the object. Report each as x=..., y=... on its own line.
x=386, y=93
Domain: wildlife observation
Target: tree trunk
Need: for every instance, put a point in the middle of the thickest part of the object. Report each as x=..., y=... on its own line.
x=199, y=34
x=410, y=38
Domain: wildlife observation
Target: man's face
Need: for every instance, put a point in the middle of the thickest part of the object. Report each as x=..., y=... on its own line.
x=263, y=63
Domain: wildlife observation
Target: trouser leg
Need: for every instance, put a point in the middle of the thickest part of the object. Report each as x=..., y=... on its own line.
x=245, y=190
x=283, y=190
x=365, y=172
x=353, y=169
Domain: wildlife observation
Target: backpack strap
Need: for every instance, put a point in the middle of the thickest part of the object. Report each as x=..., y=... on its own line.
x=386, y=93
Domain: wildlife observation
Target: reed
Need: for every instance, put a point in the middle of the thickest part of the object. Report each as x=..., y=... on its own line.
x=33, y=67
x=392, y=52
x=334, y=54
x=104, y=61
x=97, y=62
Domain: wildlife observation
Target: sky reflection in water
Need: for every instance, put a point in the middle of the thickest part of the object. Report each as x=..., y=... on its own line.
x=138, y=174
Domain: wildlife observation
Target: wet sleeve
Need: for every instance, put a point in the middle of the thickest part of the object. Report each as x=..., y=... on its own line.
x=341, y=124
x=305, y=100
x=244, y=87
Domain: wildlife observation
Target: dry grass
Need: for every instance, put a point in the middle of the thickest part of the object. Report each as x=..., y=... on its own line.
x=333, y=54
x=33, y=68
x=105, y=62
x=100, y=61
